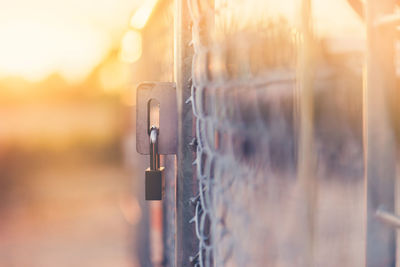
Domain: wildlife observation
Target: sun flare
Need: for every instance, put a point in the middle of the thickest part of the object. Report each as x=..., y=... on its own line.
x=39, y=38
x=34, y=50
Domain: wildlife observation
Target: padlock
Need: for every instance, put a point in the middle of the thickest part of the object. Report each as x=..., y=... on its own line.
x=154, y=184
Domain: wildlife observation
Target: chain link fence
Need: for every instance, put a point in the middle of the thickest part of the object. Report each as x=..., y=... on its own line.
x=250, y=208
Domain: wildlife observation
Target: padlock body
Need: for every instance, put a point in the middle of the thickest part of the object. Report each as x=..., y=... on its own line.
x=154, y=184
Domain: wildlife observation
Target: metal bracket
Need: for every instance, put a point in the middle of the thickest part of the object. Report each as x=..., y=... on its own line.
x=388, y=218
x=165, y=94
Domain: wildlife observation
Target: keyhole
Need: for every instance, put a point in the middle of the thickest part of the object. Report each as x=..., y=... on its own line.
x=154, y=114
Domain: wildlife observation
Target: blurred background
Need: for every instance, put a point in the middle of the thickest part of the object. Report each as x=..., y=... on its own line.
x=71, y=181
x=67, y=198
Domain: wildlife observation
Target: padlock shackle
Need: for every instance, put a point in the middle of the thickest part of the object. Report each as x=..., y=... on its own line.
x=154, y=156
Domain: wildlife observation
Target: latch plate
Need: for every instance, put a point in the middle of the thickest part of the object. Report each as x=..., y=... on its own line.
x=165, y=94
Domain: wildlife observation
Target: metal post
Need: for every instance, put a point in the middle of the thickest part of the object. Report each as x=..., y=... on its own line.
x=306, y=159
x=169, y=210
x=185, y=184
x=379, y=139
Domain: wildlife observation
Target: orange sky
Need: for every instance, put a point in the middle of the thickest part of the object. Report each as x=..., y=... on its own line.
x=41, y=37
x=331, y=17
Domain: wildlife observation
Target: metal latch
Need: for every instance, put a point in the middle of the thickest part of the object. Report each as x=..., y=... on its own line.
x=163, y=93
x=156, y=130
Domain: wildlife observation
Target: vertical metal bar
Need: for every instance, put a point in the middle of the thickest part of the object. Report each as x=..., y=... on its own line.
x=169, y=211
x=397, y=210
x=379, y=138
x=169, y=202
x=185, y=184
x=306, y=158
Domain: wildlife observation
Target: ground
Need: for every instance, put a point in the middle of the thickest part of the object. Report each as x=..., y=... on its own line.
x=67, y=212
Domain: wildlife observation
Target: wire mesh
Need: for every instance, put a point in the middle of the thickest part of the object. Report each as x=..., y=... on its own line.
x=249, y=209
x=234, y=82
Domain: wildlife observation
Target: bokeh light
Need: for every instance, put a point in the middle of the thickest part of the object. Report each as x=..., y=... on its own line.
x=39, y=38
x=141, y=16
x=131, y=46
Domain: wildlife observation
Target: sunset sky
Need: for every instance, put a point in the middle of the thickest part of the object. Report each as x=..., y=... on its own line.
x=38, y=38
x=42, y=37
x=331, y=17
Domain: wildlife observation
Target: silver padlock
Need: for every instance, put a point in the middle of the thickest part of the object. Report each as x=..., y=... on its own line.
x=154, y=175
x=156, y=130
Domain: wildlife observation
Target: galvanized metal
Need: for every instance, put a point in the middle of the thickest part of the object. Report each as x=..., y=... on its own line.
x=185, y=183
x=379, y=139
x=169, y=211
x=156, y=64
x=306, y=153
x=165, y=93
x=154, y=155
x=390, y=219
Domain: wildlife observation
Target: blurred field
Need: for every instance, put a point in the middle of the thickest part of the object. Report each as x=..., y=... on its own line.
x=65, y=197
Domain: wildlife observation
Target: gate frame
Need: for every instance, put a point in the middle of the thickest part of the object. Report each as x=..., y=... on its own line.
x=185, y=181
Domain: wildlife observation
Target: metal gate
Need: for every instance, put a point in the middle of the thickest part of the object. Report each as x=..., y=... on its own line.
x=286, y=152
